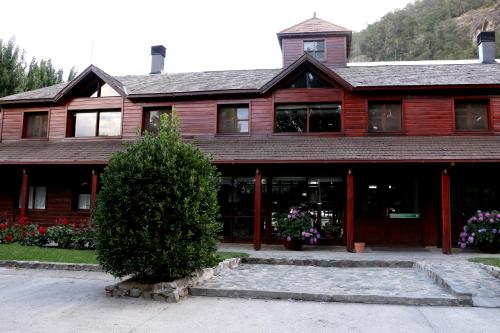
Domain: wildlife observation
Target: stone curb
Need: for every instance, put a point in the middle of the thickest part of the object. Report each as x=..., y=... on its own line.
x=494, y=271
x=370, y=299
x=330, y=263
x=464, y=298
x=171, y=291
x=50, y=265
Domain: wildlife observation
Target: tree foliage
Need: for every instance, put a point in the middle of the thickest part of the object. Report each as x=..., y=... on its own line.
x=156, y=214
x=424, y=30
x=16, y=76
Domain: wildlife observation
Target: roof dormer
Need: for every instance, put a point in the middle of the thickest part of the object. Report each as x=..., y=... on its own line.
x=327, y=42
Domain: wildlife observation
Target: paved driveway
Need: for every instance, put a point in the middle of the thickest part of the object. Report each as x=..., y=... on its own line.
x=63, y=301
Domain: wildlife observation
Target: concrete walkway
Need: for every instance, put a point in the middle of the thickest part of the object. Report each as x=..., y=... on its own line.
x=63, y=301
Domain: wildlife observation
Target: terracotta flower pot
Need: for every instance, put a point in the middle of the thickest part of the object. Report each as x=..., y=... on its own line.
x=488, y=248
x=293, y=244
x=359, y=247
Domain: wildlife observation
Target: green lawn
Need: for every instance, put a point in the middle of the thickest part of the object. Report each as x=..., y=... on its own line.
x=35, y=253
x=487, y=261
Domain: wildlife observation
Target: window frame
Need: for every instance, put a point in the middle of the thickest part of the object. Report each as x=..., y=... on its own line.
x=246, y=104
x=24, y=128
x=401, y=101
x=311, y=52
x=145, y=109
x=309, y=107
x=32, y=207
x=70, y=130
x=466, y=99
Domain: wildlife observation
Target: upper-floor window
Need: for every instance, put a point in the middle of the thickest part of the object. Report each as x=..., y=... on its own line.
x=36, y=124
x=308, y=80
x=152, y=117
x=384, y=116
x=232, y=119
x=95, y=123
x=316, y=48
x=103, y=90
x=471, y=115
x=308, y=118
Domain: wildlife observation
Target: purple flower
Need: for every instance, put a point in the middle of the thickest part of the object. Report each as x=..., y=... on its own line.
x=318, y=236
x=465, y=228
x=494, y=231
x=463, y=234
x=289, y=238
x=306, y=234
x=311, y=241
x=463, y=245
x=492, y=220
x=487, y=214
x=470, y=239
x=302, y=214
x=498, y=216
x=311, y=230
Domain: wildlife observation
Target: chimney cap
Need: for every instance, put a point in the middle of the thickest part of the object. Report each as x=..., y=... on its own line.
x=485, y=36
x=158, y=49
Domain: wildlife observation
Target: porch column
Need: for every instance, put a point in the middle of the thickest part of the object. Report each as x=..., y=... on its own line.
x=350, y=212
x=445, y=212
x=24, y=194
x=93, y=190
x=256, y=226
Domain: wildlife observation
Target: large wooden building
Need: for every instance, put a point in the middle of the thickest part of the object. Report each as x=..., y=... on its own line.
x=390, y=153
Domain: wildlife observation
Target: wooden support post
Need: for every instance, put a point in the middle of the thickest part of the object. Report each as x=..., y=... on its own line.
x=258, y=198
x=445, y=212
x=93, y=190
x=24, y=194
x=269, y=211
x=350, y=212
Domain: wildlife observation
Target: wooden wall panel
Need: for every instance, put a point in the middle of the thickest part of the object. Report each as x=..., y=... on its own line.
x=335, y=47
x=57, y=123
x=132, y=118
x=429, y=115
x=262, y=116
x=355, y=115
x=495, y=113
x=86, y=103
x=308, y=95
x=12, y=124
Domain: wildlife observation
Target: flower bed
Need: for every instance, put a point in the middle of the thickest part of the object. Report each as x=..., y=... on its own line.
x=482, y=230
x=63, y=234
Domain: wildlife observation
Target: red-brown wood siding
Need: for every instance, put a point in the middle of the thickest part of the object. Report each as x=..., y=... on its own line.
x=428, y=115
x=335, y=48
x=355, y=115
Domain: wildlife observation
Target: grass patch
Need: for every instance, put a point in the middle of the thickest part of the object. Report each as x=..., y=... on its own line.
x=226, y=255
x=487, y=261
x=35, y=253
x=47, y=254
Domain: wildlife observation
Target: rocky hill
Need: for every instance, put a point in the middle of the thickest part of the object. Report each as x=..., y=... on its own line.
x=428, y=30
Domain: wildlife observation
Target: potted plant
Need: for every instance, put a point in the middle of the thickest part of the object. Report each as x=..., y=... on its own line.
x=483, y=231
x=296, y=228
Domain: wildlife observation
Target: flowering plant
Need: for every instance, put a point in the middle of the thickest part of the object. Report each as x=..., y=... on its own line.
x=297, y=225
x=481, y=228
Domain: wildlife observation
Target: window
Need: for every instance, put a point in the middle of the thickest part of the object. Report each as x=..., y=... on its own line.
x=308, y=118
x=151, y=119
x=471, y=115
x=384, y=116
x=104, y=90
x=81, y=195
x=309, y=80
x=316, y=48
x=36, y=197
x=96, y=123
x=232, y=119
x=35, y=124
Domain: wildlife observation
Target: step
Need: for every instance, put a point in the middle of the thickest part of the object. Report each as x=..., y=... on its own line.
x=376, y=285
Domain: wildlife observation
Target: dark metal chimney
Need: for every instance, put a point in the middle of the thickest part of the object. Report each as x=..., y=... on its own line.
x=486, y=47
x=157, y=59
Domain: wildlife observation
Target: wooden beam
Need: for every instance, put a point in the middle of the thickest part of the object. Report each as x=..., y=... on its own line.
x=445, y=212
x=93, y=191
x=258, y=198
x=24, y=194
x=269, y=211
x=350, y=212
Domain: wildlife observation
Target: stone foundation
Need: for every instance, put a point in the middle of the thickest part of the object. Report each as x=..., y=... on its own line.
x=172, y=291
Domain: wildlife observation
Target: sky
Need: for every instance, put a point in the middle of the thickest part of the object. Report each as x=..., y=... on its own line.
x=199, y=35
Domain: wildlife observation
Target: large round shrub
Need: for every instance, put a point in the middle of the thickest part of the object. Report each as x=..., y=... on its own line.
x=156, y=214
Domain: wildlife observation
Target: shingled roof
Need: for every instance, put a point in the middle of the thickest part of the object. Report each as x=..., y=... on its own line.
x=358, y=76
x=314, y=25
x=274, y=149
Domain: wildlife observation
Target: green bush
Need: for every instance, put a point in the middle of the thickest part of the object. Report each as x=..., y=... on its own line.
x=156, y=214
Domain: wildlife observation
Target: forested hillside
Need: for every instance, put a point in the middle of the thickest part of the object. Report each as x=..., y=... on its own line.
x=427, y=30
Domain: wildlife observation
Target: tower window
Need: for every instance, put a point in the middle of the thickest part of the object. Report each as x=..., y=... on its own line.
x=316, y=48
